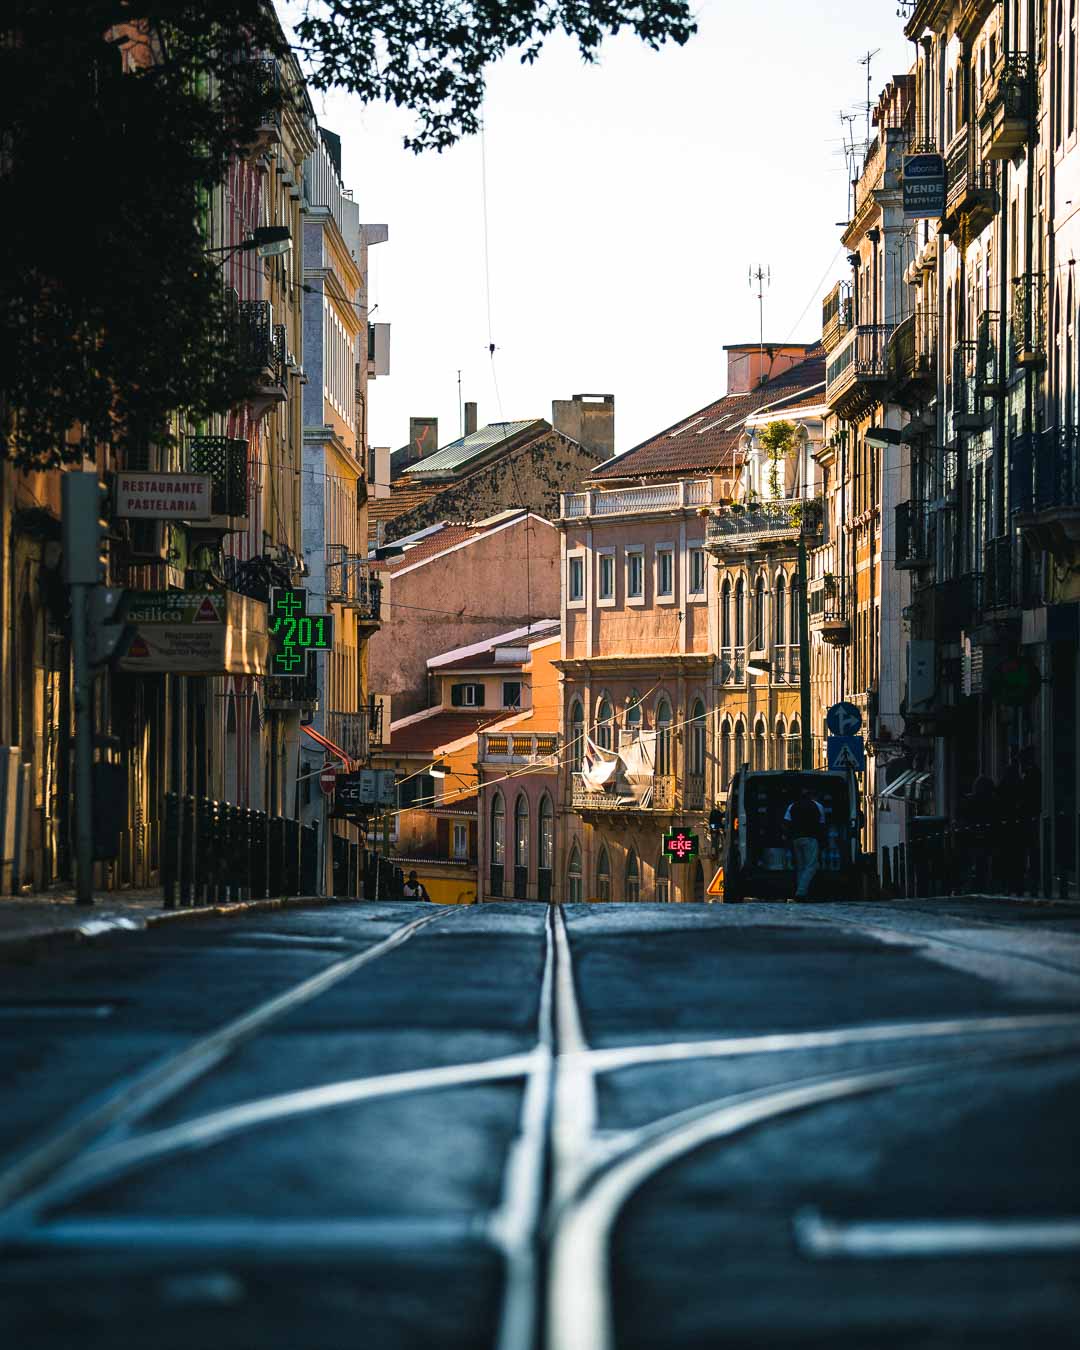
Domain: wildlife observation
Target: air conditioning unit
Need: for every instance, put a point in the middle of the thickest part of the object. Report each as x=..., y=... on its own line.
x=148, y=539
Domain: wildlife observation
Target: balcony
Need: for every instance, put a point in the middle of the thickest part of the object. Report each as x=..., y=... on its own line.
x=1005, y=107
x=835, y=315
x=661, y=497
x=969, y=188
x=912, y=360
x=352, y=731
x=351, y=582
x=225, y=459
x=965, y=403
x=857, y=372
x=733, y=665
x=942, y=611
x=586, y=799
x=987, y=365
x=283, y=692
x=998, y=589
x=828, y=611
x=540, y=749
x=785, y=664
x=265, y=75
x=693, y=797
x=914, y=538
x=1028, y=321
x=748, y=527
x=1044, y=487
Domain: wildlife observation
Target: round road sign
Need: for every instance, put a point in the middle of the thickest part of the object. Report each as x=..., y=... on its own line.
x=328, y=780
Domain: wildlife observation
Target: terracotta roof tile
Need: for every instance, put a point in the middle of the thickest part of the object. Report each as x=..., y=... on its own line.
x=427, y=733
x=445, y=537
x=705, y=441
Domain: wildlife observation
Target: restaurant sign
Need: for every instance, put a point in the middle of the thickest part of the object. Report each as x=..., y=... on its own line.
x=196, y=633
x=140, y=495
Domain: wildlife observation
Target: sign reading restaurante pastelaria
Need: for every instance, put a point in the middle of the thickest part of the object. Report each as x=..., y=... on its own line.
x=142, y=495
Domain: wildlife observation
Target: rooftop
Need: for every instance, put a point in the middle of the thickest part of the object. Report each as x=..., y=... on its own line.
x=451, y=459
x=485, y=653
x=423, y=733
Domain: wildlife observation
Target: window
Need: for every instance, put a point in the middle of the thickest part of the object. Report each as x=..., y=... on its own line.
x=467, y=696
x=758, y=638
x=521, y=847
x=461, y=841
x=740, y=745
x=605, y=716
x=759, y=745
x=547, y=833
x=573, y=877
x=632, y=718
x=740, y=614
x=695, y=748
x=418, y=790
x=663, y=880
x=603, y=876
x=575, y=578
x=794, y=745
x=663, y=737
x=632, y=889
x=635, y=574
x=511, y=694
x=577, y=735
x=605, y=585
x=725, y=613
x=794, y=604
x=725, y=754
x=665, y=573
x=697, y=571
x=780, y=745
x=498, y=843
x=780, y=610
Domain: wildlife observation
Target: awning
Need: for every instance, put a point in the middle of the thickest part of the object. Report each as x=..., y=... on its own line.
x=330, y=747
x=897, y=784
x=920, y=781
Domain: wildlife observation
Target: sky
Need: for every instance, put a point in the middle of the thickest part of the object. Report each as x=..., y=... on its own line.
x=626, y=203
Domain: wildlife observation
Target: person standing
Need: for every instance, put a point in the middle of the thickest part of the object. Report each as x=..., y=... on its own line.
x=414, y=888
x=805, y=822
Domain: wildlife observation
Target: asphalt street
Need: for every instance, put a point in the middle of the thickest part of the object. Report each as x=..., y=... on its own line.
x=398, y=1125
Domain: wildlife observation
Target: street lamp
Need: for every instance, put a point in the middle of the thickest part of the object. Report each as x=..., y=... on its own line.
x=267, y=241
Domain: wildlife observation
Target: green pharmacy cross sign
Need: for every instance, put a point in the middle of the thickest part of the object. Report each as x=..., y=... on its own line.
x=680, y=845
x=294, y=632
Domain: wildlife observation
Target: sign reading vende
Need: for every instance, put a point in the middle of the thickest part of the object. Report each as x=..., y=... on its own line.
x=924, y=185
x=141, y=495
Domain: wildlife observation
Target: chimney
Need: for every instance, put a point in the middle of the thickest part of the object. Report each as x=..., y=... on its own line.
x=750, y=365
x=470, y=418
x=588, y=419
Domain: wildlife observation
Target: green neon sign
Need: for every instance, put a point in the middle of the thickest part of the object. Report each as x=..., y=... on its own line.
x=294, y=632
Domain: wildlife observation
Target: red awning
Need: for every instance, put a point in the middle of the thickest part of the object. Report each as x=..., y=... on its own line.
x=330, y=747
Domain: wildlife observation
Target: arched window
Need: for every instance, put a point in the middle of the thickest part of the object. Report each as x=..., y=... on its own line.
x=632, y=719
x=695, y=741
x=605, y=716
x=1070, y=374
x=780, y=610
x=740, y=613
x=632, y=889
x=521, y=847
x=794, y=611
x=546, y=860
x=948, y=112
x=758, y=637
x=725, y=613
x=759, y=744
x=498, y=843
x=794, y=745
x=663, y=880
x=573, y=877
x=740, y=745
x=725, y=754
x=577, y=735
x=1070, y=75
x=603, y=875
x=780, y=745
x=699, y=884
x=664, y=756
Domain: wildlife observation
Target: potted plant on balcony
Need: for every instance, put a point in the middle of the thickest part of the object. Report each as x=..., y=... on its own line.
x=777, y=439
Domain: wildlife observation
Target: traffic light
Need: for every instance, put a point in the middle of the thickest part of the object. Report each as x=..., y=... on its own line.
x=107, y=635
x=84, y=499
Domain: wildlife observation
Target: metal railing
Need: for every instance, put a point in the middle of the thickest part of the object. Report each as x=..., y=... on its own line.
x=733, y=665
x=630, y=501
x=584, y=798
x=1028, y=318
x=224, y=458
x=694, y=792
x=862, y=355
x=351, y=581
x=351, y=731
x=748, y=525
x=987, y=367
x=913, y=349
x=785, y=667
x=998, y=579
x=1007, y=89
x=964, y=173
x=914, y=545
x=293, y=691
x=836, y=314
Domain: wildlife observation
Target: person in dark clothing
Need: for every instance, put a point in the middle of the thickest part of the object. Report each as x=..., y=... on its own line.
x=805, y=822
x=414, y=888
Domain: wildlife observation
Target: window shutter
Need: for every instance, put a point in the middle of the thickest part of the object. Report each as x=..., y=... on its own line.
x=442, y=837
x=478, y=695
x=456, y=695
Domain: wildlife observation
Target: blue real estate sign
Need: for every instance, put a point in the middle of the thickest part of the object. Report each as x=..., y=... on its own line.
x=924, y=185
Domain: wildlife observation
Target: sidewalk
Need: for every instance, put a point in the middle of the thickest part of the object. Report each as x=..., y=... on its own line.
x=34, y=924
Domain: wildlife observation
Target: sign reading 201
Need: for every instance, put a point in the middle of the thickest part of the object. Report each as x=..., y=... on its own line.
x=295, y=632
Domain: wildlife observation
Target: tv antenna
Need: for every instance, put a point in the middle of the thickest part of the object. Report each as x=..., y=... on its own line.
x=763, y=277
x=847, y=123
x=865, y=61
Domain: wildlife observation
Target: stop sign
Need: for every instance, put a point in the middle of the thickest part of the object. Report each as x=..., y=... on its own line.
x=328, y=780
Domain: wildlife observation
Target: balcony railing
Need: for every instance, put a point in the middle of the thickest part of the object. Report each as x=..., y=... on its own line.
x=745, y=527
x=693, y=797
x=912, y=357
x=828, y=610
x=969, y=185
x=1029, y=319
x=513, y=747
x=293, y=691
x=987, y=365
x=1005, y=106
x=857, y=368
x=914, y=545
x=636, y=501
x=835, y=314
x=584, y=798
x=998, y=577
x=785, y=664
x=224, y=458
x=350, y=581
x=1044, y=470
x=733, y=665
x=351, y=731
x=965, y=402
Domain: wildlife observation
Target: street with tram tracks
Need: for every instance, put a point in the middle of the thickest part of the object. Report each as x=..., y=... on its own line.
x=513, y=1126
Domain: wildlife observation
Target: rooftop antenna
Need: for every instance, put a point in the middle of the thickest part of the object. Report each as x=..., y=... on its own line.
x=460, y=407
x=847, y=121
x=763, y=277
x=865, y=61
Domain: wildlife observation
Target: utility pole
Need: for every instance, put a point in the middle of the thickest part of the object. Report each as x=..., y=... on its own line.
x=804, y=656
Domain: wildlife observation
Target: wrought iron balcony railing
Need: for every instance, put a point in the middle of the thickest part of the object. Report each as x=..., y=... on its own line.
x=352, y=731
x=746, y=526
x=350, y=581
x=987, y=364
x=584, y=798
x=914, y=544
x=858, y=366
x=1005, y=106
x=1044, y=470
x=969, y=185
x=836, y=313
x=998, y=574
x=1028, y=319
x=224, y=458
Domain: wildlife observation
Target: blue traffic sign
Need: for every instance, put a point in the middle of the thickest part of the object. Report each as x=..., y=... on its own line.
x=843, y=719
x=845, y=752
